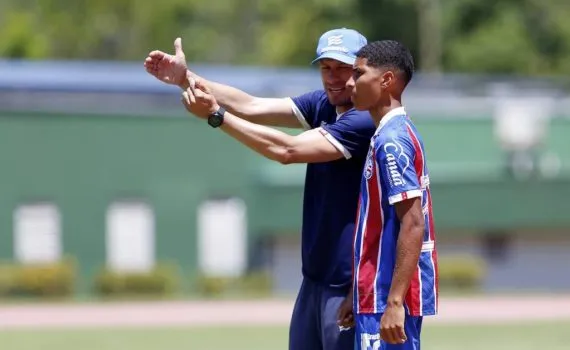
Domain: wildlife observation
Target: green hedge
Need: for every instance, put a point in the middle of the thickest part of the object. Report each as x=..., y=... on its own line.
x=161, y=281
x=57, y=280
x=252, y=284
x=38, y=280
x=461, y=272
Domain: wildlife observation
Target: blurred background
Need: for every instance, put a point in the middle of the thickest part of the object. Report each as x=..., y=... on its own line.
x=119, y=209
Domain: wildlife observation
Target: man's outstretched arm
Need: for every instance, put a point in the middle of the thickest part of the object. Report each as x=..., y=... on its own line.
x=172, y=69
x=309, y=147
x=259, y=110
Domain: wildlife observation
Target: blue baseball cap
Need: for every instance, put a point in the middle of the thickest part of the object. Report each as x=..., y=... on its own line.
x=340, y=44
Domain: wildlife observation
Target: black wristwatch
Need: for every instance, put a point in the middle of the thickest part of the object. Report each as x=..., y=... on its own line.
x=216, y=119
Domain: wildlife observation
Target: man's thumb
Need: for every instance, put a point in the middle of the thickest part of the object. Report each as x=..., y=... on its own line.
x=178, y=47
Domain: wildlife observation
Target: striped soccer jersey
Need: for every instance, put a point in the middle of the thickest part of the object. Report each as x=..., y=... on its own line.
x=395, y=170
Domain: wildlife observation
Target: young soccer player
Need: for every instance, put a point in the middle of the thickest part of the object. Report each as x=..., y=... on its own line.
x=395, y=259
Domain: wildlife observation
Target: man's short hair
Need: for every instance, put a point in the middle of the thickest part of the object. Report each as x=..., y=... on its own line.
x=390, y=54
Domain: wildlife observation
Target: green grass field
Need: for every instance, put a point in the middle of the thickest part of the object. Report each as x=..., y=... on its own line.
x=551, y=336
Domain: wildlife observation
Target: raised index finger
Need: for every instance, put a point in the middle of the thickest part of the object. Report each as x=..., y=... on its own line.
x=156, y=54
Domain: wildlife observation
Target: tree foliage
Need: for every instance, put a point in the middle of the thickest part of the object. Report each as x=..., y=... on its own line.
x=529, y=37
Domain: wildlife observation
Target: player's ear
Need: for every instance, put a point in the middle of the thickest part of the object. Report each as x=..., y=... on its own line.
x=387, y=79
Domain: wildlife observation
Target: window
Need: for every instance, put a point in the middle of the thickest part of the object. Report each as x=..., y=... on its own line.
x=130, y=237
x=37, y=233
x=222, y=237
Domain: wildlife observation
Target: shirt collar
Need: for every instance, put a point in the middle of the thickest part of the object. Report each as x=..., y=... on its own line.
x=390, y=115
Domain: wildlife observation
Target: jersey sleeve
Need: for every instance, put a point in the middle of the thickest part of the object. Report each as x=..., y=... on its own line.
x=351, y=133
x=398, y=159
x=304, y=107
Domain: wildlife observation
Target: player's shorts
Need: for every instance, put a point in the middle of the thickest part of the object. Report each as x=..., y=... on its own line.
x=368, y=333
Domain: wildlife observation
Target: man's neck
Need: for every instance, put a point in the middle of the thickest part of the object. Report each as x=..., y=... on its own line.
x=379, y=112
x=342, y=109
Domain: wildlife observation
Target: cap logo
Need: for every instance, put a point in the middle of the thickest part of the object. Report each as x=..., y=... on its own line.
x=335, y=40
x=334, y=43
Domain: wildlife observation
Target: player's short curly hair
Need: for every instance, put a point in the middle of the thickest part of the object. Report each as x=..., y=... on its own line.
x=389, y=53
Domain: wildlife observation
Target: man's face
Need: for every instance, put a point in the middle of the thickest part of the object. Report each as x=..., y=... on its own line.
x=335, y=74
x=366, y=85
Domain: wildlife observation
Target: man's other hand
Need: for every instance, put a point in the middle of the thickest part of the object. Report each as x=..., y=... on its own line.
x=198, y=100
x=345, y=317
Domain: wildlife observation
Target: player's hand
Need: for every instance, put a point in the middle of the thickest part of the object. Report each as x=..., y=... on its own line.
x=345, y=317
x=392, y=325
x=198, y=100
x=170, y=69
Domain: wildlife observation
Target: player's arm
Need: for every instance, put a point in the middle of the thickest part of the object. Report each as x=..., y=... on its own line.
x=408, y=248
x=311, y=146
x=398, y=160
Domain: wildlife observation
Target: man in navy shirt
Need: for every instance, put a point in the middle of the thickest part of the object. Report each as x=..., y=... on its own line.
x=334, y=145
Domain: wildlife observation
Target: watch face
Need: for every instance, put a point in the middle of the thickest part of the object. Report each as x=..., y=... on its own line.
x=215, y=120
